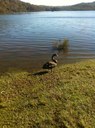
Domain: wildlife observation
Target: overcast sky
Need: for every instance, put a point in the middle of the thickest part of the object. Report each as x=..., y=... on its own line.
x=56, y=2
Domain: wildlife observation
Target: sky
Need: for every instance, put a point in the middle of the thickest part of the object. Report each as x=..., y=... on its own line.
x=56, y=2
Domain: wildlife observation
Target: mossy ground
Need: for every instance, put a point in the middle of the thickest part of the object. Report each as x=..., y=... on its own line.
x=64, y=98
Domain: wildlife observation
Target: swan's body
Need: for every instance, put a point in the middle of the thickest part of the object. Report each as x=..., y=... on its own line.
x=51, y=64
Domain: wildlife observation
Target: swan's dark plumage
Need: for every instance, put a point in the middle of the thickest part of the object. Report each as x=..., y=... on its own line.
x=51, y=64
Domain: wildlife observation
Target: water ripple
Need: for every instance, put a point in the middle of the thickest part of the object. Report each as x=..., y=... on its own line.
x=26, y=40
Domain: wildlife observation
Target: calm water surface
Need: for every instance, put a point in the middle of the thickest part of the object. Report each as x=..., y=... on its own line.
x=26, y=40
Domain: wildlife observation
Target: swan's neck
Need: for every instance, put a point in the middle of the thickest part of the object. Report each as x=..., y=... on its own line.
x=53, y=59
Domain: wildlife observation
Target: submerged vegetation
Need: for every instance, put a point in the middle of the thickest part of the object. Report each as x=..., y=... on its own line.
x=61, y=45
x=64, y=98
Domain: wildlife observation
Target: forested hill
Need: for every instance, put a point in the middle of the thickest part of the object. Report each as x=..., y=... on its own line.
x=81, y=7
x=13, y=6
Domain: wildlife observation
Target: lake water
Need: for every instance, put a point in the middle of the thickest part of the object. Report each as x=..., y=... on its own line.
x=26, y=40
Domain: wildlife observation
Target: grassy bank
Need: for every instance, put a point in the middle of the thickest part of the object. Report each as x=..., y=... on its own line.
x=64, y=98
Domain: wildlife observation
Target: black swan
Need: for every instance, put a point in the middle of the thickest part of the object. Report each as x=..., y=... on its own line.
x=51, y=64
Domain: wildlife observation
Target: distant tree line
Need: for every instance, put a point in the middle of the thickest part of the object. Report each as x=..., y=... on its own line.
x=13, y=6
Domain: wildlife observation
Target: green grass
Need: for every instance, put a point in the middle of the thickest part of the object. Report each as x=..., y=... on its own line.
x=64, y=98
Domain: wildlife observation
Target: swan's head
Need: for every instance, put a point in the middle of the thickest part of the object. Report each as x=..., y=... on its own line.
x=55, y=55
